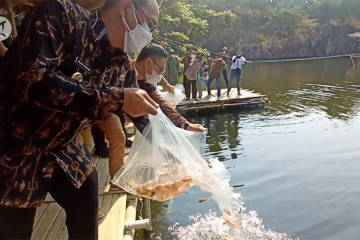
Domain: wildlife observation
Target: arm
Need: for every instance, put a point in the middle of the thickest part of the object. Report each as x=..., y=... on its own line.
x=48, y=87
x=166, y=85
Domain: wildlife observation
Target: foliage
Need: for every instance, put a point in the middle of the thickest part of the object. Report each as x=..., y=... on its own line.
x=264, y=28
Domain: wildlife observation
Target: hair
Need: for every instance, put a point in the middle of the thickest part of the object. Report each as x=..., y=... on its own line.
x=154, y=51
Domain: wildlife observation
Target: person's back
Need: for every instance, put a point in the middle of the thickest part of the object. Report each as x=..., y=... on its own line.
x=172, y=69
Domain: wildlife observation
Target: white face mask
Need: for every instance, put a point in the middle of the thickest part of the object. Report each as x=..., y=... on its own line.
x=137, y=38
x=154, y=78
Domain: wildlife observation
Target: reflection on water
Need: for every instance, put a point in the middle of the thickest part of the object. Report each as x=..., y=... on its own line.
x=298, y=157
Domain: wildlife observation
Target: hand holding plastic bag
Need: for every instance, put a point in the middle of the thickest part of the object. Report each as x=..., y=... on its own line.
x=165, y=162
x=175, y=98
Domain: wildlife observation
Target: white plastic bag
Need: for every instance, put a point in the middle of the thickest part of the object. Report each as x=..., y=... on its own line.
x=175, y=98
x=163, y=164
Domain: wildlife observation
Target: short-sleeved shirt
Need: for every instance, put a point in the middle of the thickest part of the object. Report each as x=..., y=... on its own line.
x=237, y=62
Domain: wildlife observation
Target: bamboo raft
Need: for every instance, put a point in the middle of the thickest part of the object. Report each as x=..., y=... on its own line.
x=247, y=99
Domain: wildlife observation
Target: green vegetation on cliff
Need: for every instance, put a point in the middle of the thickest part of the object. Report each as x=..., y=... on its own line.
x=265, y=29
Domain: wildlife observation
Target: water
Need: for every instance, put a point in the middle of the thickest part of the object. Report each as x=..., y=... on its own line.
x=298, y=157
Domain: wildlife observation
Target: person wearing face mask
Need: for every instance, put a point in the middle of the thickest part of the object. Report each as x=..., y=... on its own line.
x=192, y=74
x=134, y=25
x=225, y=57
x=150, y=65
x=56, y=79
x=236, y=70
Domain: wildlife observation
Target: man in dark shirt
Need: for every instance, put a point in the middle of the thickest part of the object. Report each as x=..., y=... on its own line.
x=55, y=79
x=225, y=57
x=150, y=65
x=217, y=65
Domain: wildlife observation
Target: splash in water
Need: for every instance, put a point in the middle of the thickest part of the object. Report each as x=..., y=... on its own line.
x=211, y=226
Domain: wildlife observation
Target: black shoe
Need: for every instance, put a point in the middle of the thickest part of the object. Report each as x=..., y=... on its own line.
x=104, y=153
x=128, y=143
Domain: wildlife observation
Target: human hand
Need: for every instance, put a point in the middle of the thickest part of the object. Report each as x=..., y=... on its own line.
x=170, y=88
x=138, y=103
x=196, y=127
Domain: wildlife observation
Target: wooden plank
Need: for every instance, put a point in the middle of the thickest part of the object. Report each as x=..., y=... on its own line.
x=110, y=214
x=39, y=213
x=103, y=170
x=116, y=217
x=62, y=234
x=247, y=98
x=46, y=221
x=58, y=228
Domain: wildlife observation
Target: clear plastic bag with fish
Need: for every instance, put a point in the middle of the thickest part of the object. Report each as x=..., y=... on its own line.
x=165, y=161
x=175, y=98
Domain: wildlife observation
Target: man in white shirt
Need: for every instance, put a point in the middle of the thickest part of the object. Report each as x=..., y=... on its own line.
x=236, y=68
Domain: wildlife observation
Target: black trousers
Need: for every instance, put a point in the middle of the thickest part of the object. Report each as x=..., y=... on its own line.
x=80, y=205
x=186, y=85
x=99, y=139
x=225, y=75
x=191, y=86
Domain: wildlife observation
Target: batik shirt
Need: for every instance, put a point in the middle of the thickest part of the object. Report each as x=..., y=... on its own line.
x=43, y=110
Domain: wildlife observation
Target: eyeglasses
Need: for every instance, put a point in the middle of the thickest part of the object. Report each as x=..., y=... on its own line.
x=160, y=68
x=139, y=9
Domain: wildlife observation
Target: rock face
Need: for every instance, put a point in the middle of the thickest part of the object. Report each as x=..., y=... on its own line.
x=327, y=40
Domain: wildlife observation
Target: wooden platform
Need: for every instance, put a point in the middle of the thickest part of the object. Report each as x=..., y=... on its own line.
x=50, y=219
x=247, y=99
x=355, y=60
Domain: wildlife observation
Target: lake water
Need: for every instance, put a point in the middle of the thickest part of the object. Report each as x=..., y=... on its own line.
x=299, y=157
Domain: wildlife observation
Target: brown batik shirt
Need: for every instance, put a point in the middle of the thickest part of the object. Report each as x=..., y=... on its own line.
x=43, y=110
x=217, y=65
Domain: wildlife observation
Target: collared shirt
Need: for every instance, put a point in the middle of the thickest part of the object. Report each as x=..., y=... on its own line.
x=237, y=62
x=193, y=69
x=43, y=110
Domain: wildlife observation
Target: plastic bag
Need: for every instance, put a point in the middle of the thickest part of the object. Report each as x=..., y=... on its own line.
x=165, y=161
x=175, y=98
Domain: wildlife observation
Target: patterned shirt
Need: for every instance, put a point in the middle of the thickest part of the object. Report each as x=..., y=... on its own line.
x=43, y=110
